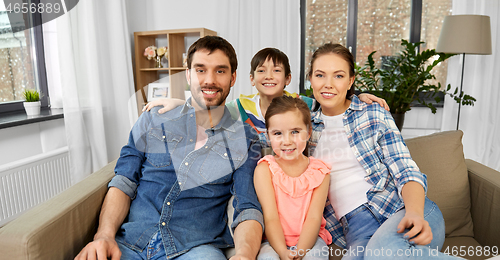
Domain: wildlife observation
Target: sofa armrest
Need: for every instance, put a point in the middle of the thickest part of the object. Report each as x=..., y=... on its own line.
x=485, y=202
x=60, y=227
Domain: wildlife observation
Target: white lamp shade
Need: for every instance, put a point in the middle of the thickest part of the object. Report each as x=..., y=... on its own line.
x=470, y=34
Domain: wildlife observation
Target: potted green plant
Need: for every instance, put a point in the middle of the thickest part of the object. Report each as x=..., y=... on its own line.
x=32, y=104
x=405, y=79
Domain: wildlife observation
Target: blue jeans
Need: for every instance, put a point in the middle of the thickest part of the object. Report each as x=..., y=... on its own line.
x=370, y=235
x=318, y=252
x=155, y=251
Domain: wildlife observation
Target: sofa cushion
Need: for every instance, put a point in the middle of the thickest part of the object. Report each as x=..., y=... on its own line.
x=440, y=156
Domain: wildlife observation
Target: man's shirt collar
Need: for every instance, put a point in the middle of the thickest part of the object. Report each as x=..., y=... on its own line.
x=226, y=122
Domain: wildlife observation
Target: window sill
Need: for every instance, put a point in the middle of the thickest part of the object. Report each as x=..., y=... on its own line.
x=415, y=103
x=19, y=118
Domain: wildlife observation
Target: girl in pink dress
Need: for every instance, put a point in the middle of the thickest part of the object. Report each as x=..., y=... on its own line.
x=291, y=187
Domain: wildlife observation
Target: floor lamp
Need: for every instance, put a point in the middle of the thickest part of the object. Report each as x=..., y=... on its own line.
x=465, y=34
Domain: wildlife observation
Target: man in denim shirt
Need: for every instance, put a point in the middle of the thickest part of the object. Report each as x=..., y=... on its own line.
x=178, y=171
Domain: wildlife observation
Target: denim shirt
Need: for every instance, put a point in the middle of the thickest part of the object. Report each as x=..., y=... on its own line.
x=183, y=192
x=381, y=150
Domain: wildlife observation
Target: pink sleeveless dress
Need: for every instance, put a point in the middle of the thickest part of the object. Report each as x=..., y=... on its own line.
x=293, y=197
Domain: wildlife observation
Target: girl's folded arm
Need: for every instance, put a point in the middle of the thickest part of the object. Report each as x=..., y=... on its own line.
x=312, y=224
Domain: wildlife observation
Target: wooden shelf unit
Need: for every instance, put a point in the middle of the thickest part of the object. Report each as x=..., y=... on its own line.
x=145, y=72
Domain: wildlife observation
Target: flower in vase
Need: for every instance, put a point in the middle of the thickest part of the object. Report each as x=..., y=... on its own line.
x=150, y=52
x=161, y=51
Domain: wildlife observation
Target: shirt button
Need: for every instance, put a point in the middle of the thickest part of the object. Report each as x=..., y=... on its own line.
x=225, y=154
x=191, y=115
x=186, y=164
x=168, y=203
x=206, y=147
x=163, y=137
x=163, y=223
x=190, y=140
x=180, y=183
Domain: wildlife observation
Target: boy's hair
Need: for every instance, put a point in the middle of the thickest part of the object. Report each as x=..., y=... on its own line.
x=283, y=104
x=212, y=43
x=278, y=57
x=343, y=52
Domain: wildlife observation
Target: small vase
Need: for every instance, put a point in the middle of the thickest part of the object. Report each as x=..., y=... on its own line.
x=32, y=108
x=399, y=118
x=158, y=61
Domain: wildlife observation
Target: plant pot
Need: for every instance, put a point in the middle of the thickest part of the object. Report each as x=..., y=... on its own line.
x=400, y=119
x=32, y=108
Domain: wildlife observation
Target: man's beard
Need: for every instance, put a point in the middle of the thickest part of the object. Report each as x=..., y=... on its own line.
x=202, y=102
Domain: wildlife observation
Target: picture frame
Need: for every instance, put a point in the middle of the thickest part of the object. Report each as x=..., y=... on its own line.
x=158, y=90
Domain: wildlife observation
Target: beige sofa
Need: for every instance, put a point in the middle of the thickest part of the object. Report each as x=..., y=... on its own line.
x=467, y=192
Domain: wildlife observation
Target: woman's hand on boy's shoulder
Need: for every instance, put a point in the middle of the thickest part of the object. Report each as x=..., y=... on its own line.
x=369, y=98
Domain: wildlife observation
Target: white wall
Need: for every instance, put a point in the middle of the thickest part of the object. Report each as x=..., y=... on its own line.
x=144, y=15
x=421, y=121
x=23, y=141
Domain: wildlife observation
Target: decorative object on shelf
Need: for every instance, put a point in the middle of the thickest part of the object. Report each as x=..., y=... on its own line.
x=405, y=79
x=465, y=34
x=159, y=54
x=153, y=52
x=32, y=104
x=157, y=91
x=150, y=52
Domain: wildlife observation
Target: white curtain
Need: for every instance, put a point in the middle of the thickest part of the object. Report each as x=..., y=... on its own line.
x=480, y=123
x=97, y=82
x=253, y=25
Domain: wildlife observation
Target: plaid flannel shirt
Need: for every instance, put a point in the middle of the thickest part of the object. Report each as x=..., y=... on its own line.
x=379, y=147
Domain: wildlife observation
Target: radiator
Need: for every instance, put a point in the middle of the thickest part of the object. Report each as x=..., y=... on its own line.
x=31, y=181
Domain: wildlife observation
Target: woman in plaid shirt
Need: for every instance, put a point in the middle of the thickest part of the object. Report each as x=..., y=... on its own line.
x=377, y=205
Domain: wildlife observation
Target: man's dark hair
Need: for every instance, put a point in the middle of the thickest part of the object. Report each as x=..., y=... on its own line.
x=212, y=43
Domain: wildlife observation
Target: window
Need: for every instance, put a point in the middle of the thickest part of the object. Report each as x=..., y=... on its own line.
x=381, y=26
x=326, y=21
x=372, y=25
x=22, y=64
x=433, y=13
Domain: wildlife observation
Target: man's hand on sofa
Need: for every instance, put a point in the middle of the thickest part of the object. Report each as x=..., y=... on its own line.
x=100, y=249
x=114, y=210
